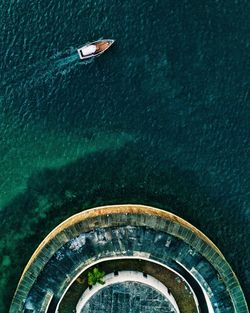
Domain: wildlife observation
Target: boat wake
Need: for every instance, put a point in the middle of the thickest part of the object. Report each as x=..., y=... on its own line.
x=42, y=72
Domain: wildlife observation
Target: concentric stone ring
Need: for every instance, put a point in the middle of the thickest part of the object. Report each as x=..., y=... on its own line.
x=164, y=253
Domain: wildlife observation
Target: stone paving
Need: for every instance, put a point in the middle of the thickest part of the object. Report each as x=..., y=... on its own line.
x=125, y=277
x=131, y=230
x=115, y=241
x=128, y=297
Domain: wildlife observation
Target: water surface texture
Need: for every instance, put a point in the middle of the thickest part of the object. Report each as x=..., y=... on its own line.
x=162, y=118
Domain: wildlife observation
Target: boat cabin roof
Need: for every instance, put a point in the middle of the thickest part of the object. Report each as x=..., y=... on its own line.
x=88, y=50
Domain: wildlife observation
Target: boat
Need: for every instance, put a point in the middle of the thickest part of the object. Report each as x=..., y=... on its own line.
x=94, y=49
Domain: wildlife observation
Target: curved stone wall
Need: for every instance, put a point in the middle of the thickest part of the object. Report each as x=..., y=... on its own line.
x=126, y=230
x=178, y=289
x=138, y=290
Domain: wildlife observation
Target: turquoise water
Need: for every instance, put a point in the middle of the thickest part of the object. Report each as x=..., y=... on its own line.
x=162, y=118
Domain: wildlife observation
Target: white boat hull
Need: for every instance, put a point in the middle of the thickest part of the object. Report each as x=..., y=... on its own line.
x=94, y=49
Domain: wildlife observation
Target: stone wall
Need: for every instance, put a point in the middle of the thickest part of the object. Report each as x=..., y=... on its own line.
x=125, y=230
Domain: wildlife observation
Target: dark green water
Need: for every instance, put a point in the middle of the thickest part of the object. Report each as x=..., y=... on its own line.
x=162, y=118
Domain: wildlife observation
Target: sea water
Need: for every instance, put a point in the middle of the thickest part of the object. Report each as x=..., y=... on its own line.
x=161, y=118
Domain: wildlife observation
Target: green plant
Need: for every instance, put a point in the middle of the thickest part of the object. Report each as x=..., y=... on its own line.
x=95, y=276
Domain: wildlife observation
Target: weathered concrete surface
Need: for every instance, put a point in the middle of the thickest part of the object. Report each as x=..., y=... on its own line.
x=213, y=262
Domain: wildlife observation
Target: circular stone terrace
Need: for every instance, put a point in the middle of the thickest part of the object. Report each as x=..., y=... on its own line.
x=141, y=293
x=153, y=260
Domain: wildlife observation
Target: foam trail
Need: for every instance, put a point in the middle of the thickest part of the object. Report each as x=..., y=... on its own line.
x=38, y=73
x=67, y=60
